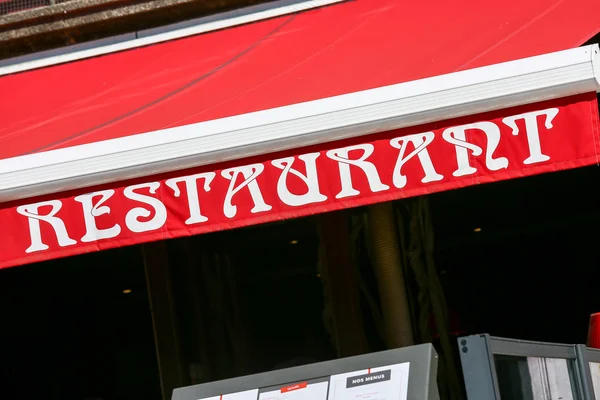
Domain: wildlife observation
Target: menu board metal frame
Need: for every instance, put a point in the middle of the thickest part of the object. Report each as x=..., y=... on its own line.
x=422, y=381
x=585, y=356
x=479, y=370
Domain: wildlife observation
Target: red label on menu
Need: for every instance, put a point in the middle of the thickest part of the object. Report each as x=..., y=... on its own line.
x=291, y=388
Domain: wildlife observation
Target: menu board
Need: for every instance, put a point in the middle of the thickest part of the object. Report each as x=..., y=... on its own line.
x=381, y=383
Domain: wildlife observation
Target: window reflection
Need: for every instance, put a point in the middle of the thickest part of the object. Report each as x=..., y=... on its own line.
x=595, y=371
x=534, y=378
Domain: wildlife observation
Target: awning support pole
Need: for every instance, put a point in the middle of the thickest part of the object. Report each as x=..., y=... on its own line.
x=390, y=275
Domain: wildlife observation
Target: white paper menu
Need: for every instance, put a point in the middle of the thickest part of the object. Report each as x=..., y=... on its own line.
x=247, y=395
x=298, y=391
x=381, y=383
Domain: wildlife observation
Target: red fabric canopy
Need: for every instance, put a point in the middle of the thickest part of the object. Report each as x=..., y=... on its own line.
x=343, y=48
x=324, y=52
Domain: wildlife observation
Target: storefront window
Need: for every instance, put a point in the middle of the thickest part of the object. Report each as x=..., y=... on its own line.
x=534, y=378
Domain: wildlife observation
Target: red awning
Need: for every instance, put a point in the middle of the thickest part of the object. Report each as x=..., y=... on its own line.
x=341, y=48
x=505, y=144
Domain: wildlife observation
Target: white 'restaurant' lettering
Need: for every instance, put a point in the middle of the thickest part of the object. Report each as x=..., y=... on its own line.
x=132, y=219
x=293, y=187
x=31, y=211
x=533, y=134
x=91, y=211
x=191, y=187
x=249, y=173
x=311, y=180
x=344, y=163
x=458, y=137
x=420, y=141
